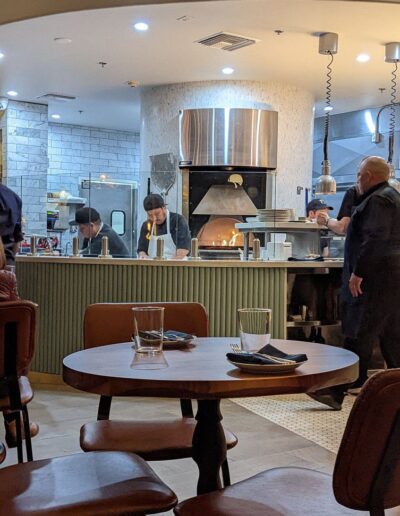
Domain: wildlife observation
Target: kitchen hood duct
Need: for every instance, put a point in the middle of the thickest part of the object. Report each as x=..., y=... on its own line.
x=228, y=139
x=225, y=200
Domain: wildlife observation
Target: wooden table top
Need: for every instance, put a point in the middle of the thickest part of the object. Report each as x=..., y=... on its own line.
x=202, y=371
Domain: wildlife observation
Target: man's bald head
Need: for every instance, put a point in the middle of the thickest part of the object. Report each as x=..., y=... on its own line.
x=373, y=170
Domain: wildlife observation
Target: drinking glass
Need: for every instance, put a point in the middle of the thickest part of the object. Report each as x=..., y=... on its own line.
x=254, y=328
x=148, y=329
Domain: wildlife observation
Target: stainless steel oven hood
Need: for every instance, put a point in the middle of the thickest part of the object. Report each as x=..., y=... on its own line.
x=228, y=139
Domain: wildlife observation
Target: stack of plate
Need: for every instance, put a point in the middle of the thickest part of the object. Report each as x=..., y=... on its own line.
x=283, y=215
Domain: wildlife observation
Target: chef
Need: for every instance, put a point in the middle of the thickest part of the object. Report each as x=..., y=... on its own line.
x=161, y=223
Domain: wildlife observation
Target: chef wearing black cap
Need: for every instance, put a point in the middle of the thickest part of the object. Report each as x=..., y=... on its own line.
x=315, y=208
x=171, y=227
x=93, y=229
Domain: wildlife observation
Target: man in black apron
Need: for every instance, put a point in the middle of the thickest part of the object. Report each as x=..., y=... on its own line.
x=371, y=275
x=10, y=222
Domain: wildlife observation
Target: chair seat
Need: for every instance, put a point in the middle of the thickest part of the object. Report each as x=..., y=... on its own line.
x=98, y=483
x=26, y=393
x=279, y=491
x=152, y=440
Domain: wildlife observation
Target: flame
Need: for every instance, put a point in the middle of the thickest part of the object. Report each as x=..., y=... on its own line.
x=232, y=241
x=224, y=242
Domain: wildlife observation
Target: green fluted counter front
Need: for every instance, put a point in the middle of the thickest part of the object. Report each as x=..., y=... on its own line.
x=63, y=287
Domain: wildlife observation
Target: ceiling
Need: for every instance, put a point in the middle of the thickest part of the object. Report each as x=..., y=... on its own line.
x=34, y=64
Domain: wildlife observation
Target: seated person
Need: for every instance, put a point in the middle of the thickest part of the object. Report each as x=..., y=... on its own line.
x=93, y=229
x=172, y=227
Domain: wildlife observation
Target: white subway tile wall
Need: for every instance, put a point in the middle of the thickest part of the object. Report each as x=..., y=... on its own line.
x=41, y=157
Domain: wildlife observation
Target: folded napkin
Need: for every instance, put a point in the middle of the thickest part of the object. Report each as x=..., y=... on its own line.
x=251, y=358
x=177, y=336
x=271, y=350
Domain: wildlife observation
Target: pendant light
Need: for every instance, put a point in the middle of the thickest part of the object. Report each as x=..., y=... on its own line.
x=326, y=184
x=392, y=55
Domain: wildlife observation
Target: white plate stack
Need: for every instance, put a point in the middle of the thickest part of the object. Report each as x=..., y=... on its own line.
x=282, y=215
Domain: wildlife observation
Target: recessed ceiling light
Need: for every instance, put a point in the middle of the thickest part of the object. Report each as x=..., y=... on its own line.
x=228, y=70
x=56, y=116
x=12, y=93
x=328, y=108
x=63, y=41
x=1, y=55
x=142, y=26
x=363, y=58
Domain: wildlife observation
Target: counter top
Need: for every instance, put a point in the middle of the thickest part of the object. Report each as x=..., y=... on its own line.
x=183, y=263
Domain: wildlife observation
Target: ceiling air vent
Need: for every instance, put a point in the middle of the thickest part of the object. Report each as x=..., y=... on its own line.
x=227, y=41
x=57, y=97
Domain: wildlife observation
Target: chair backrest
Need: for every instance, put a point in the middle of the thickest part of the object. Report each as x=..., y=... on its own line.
x=22, y=314
x=367, y=469
x=109, y=323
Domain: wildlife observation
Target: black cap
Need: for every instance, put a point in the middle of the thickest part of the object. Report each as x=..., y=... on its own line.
x=84, y=216
x=153, y=201
x=317, y=204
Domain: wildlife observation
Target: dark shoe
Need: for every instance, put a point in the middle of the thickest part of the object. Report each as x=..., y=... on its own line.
x=11, y=432
x=3, y=452
x=327, y=397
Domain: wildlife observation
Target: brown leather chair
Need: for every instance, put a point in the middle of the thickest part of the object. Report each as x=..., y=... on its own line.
x=366, y=475
x=110, y=323
x=17, y=346
x=97, y=483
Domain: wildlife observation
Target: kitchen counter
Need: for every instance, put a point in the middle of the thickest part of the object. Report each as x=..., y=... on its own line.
x=64, y=286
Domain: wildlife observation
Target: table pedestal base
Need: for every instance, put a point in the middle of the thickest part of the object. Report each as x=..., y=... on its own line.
x=209, y=445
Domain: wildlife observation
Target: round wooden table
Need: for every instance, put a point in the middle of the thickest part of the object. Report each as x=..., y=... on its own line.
x=202, y=372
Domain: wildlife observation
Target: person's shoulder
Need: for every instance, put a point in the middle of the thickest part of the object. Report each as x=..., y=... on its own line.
x=7, y=276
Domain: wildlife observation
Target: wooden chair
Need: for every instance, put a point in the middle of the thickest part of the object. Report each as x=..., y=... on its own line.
x=97, y=483
x=17, y=346
x=110, y=323
x=366, y=475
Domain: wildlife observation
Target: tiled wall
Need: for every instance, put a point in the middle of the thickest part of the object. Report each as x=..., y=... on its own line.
x=76, y=152
x=25, y=161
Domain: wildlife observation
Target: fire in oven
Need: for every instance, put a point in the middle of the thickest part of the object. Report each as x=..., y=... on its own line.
x=217, y=201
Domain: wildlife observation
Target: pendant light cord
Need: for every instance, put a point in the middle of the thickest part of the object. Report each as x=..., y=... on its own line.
x=393, y=91
x=328, y=104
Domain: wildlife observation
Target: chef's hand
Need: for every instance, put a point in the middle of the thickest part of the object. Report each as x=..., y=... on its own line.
x=355, y=285
x=322, y=219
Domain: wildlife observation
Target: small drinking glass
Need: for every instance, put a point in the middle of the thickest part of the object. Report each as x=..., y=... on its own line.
x=148, y=329
x=254, y=328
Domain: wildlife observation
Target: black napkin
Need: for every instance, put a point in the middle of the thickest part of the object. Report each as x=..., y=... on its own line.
x=271, y=350
x=249, y=358
x=318, y=259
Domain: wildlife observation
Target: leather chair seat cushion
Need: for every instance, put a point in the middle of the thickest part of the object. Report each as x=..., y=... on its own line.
x=100, y=483
x=276, y=492
x=152, y=440
x=26, y=393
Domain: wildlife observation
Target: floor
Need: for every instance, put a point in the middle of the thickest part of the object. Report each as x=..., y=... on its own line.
x=60, y=411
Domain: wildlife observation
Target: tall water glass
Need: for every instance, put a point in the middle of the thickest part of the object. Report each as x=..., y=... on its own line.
x=254, y=328
x=148, y=329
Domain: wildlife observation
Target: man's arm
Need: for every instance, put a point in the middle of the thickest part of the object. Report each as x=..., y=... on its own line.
x=337, y=226
x=143, y=244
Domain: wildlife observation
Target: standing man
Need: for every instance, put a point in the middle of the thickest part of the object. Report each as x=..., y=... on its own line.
x=93, y=229
x=10, y=222
x=171, y=227
x=371, y=275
